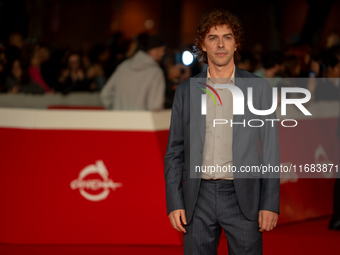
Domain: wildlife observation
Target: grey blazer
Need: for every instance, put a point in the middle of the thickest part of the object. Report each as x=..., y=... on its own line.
x=181, y=157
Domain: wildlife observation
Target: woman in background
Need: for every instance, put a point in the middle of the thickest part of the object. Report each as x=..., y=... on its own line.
x=73, y=77
x=18, y=81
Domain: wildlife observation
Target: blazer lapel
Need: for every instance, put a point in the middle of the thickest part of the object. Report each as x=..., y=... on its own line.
x=239, y=82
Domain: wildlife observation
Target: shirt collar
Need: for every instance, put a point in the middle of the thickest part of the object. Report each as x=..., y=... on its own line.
x=232, y=79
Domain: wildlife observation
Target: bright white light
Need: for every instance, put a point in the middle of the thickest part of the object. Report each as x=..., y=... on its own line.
x=187, y=58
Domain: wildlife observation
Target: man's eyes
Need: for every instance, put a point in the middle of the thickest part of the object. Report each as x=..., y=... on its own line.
x=213, y=38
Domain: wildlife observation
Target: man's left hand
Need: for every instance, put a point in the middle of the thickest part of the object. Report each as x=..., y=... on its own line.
x=267, y=220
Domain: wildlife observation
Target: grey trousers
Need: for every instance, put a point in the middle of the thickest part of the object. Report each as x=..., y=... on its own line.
x=216, y=208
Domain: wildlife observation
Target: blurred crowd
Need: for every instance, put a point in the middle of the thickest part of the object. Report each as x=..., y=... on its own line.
x=286, y=68
x=38, y=68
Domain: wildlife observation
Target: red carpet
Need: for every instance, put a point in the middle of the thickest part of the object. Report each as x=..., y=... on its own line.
x=308, y=237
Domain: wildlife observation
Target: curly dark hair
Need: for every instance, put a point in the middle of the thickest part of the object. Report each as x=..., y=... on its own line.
x=214, y=18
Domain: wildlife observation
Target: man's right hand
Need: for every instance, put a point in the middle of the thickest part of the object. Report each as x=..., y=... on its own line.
x=176, y=218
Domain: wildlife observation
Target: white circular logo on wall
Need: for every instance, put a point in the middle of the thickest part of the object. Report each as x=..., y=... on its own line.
x=94, y=184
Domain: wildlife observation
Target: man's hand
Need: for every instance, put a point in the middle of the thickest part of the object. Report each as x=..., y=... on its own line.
x=267, y=220
x=176, y=218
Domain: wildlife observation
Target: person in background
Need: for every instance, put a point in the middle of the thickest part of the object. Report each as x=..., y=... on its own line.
x=38, y=56
x=272, y=65
x=133, y=47
x=16, y=40
x=257, y=54
x=118, y=46
x=332, y=40
x=138, y=82
x=291, y=71
x=302, y=52
x=15, y=47
x=85, y=48
x=328, y=89
x=73, y=77
x=272, y=62
x=172, y=74
x=95, y=72
x=291, y=66
x=3, y=61
x=175, y=73
x=18, y=81
x=48, y=70
x=246, y=61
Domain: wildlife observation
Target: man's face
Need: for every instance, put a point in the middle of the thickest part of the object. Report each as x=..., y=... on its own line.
x=220, y=45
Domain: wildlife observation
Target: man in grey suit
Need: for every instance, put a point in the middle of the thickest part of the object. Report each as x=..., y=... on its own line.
x=202, y=203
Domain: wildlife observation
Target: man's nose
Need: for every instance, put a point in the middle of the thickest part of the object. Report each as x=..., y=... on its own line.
x=220, y=44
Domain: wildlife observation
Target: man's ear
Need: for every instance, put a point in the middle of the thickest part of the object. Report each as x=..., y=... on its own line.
x=203, y=47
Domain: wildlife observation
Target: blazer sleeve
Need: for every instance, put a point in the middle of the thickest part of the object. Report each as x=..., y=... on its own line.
x=270, y=155
x=174, y=157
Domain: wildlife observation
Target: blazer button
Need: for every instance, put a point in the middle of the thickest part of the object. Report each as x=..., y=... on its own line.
x=201, y=150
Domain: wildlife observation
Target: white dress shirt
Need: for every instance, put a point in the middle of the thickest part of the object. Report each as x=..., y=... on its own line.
x=218, y=139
